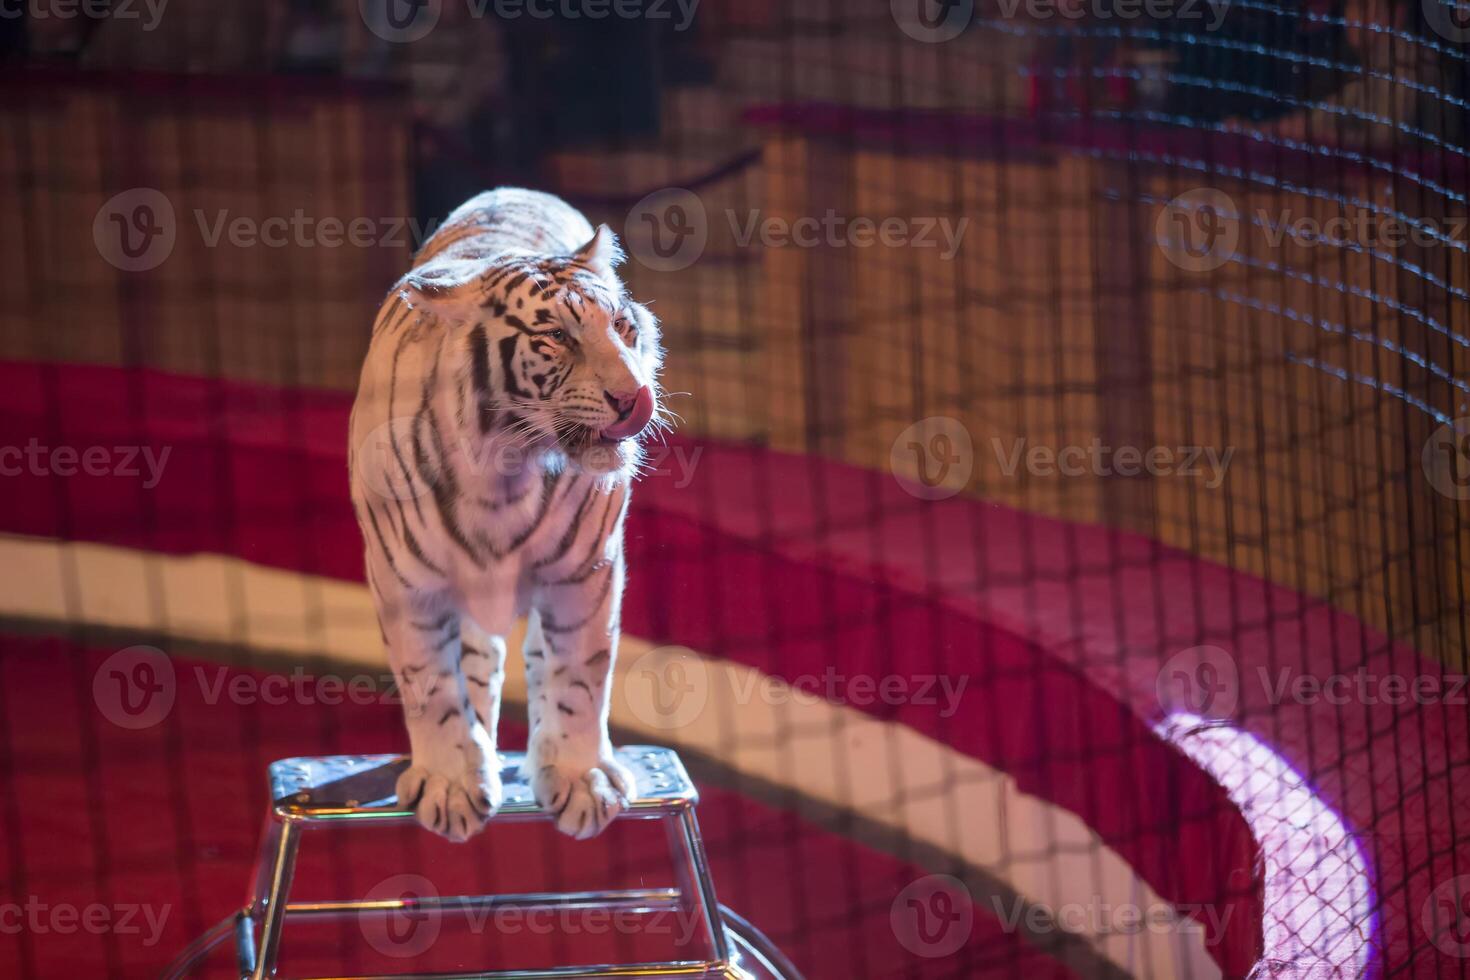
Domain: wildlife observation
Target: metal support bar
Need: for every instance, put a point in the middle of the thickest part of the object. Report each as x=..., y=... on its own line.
x=648, y=899
x=692, y=852
x=661, y=970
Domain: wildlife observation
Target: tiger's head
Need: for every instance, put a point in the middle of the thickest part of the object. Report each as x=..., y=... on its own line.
x=578, y=358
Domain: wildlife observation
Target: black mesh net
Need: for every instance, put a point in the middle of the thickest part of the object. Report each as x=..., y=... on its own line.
x=1057, y=568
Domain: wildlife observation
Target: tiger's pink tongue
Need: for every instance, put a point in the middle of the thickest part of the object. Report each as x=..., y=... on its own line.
x=638, y=418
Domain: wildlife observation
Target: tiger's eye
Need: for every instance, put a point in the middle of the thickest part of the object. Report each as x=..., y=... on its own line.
x=558, y=334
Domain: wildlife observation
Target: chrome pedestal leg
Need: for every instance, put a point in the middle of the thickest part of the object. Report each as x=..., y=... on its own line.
x=283, y=867
x=696, y=888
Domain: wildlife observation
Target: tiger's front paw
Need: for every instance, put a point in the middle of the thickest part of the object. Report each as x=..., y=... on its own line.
x=454, y=805
x=583, y=800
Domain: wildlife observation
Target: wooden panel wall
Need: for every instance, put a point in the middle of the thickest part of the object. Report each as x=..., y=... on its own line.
x=1061, y=321
x=298, y=313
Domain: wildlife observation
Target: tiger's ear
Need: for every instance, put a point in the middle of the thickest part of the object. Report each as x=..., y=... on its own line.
x=602, y=254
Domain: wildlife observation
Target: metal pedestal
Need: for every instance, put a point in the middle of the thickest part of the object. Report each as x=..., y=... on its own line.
x=347, y=791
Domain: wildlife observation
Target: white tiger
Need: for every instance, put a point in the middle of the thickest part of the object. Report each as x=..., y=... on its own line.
x=493, y=443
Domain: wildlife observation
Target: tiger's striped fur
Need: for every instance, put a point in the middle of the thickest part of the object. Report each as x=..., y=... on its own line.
x=485, y=492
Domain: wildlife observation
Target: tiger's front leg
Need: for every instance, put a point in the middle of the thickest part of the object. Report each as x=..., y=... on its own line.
x=571, y=644
x=453, y=781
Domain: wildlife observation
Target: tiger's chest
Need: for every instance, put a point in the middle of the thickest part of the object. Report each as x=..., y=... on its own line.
x=546, y=532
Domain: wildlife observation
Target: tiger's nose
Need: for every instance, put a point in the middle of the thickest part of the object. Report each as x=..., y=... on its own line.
x=634, y=409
